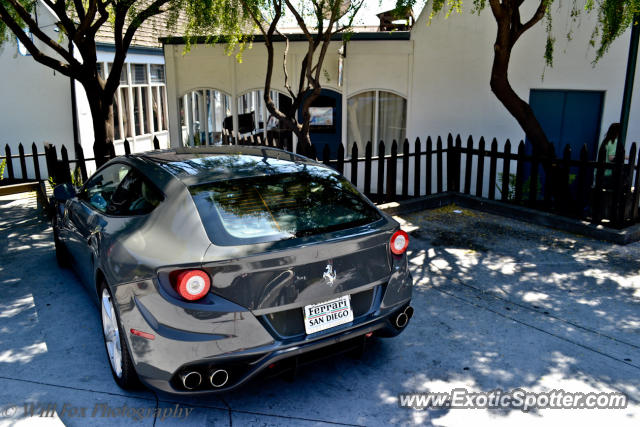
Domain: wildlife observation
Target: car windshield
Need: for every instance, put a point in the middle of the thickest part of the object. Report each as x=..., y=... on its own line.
x=282, y=206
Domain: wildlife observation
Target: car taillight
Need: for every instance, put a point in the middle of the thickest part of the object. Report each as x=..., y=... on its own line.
x=192, y=284
x=399, y=242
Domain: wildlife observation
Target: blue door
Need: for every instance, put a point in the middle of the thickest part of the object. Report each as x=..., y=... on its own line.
x=326, y=122
x=570, y=117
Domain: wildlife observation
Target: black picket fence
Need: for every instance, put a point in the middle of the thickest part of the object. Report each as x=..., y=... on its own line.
x=598, y=191
x=593, y=190
x=46, y=165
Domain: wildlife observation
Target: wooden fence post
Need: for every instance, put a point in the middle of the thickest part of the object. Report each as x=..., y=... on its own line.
x=468, y=165
x=326, y=155
x=480, y=171
x=127, y=147
x=451, y=159
x=341, y=159
x=380, y=187
x=7, y=153
x=392, y=167
x=457, y=160
x=493, y=164
x=405, y=169
x=584, y=181
x=565, y=192
x=417, y=152
x=548, y=162
x=51, y=158
x=598, y=199
x=36, y=161
x=628, y=196
x=636, y=189
x=617, y=210
x=156, y=143
x=428, y=166
x=506, y=172
x=439, y=165
x=354, y=164
x=65, y=170
x=81, y=161
x=23, y=163
x=520, y=172
x=367, y=169
x=533, y=179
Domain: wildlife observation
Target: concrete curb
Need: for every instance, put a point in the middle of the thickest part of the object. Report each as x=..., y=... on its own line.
x=621, y=237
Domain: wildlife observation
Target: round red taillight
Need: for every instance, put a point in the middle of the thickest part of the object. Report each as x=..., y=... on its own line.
x=193, y=284
x=399, y=242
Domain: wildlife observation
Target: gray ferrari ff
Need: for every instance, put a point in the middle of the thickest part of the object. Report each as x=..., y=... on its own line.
x=212, y=265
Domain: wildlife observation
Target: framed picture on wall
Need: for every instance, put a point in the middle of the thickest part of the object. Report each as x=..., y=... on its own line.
x=321, y=116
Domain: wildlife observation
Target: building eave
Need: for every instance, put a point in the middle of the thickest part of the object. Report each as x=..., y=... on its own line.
x=368, y=36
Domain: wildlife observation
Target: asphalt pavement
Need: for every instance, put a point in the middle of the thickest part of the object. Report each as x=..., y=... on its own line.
x=499, y=305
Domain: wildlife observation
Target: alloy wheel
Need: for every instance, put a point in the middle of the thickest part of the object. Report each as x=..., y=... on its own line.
x=111, y=333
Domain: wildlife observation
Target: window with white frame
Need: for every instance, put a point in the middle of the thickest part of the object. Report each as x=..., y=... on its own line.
x=253, y=102
x=204, y=113
x=140, y=103
x=376, y=116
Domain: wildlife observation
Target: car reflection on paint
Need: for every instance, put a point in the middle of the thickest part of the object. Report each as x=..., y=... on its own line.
x=211, y=265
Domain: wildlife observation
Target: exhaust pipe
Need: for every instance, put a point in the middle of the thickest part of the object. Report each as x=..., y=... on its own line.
x=219, y=378
x=403, y=318
x=191, y=380
x=409, y=312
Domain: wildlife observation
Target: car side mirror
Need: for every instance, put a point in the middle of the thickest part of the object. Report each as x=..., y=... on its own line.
x=64, y=192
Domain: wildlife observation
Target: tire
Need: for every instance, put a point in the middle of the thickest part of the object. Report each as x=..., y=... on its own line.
x=115, y=344
x=62, y=254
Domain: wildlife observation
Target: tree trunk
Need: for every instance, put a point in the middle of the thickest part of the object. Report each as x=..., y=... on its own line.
x=502, y=89
x=102, y=120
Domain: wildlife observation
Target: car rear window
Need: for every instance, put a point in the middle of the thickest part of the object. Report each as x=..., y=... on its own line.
x=283, y=206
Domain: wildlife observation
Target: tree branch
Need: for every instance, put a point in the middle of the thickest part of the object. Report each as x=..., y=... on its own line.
x=38, y=55
x=36, y=31
x=299, y=20
x=152, y=10
x=284, y=66
x=496, y=8
x=537, y=16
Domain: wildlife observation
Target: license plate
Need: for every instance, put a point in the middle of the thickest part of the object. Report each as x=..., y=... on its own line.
x=328, y=314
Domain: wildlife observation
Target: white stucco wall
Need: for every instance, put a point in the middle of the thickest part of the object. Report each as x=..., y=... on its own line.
x=36, y=101
x=382, y=64
x=452, y=64
x=443, y=70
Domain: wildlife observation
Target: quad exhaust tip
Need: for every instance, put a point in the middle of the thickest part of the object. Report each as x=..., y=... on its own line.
x=403, y=318
x=191, y=380
x=219, y=378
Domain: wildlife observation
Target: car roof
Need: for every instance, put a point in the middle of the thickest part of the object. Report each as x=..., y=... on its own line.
x=198, y=165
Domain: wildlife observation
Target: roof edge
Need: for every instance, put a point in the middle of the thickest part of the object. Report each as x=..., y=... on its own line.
x=368, y=36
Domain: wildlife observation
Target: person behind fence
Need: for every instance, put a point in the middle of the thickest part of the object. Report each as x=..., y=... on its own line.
x=610, y=143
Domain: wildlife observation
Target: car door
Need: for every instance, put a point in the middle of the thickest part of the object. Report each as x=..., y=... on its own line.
x=87, y=216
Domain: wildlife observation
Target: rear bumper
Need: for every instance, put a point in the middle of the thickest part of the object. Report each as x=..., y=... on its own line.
x=243, y=367
x=232, y=338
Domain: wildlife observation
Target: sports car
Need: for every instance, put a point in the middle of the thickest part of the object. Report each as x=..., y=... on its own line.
x=211, y=265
